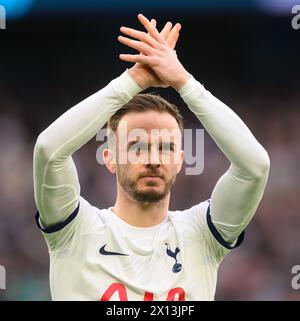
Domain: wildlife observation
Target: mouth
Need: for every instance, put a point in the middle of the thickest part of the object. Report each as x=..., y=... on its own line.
x=152, y=178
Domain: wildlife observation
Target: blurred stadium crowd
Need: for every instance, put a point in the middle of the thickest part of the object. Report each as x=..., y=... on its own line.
x=51, y=77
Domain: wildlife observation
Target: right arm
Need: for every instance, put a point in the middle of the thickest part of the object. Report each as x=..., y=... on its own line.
x=56, y=184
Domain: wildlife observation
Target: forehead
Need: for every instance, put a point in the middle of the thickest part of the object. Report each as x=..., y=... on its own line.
x=149, y=120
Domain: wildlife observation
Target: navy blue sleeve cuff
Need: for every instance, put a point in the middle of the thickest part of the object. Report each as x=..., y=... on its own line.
x=59, y=226
x=218, y=236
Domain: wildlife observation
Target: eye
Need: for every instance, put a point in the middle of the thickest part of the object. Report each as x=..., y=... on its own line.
x=139, y=147
x=167, y=147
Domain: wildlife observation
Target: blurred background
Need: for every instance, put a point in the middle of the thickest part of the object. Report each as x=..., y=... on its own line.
x=56, y=53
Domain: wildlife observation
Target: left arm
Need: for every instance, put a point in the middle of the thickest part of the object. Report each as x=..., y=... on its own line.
x=238, y=192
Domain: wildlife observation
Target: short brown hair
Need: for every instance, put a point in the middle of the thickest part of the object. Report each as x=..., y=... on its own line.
x=142, y=103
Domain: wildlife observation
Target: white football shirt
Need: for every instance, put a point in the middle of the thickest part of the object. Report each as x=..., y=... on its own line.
x=95, y=255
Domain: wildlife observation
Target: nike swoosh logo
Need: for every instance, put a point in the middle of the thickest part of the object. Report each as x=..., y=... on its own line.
x=104, y=252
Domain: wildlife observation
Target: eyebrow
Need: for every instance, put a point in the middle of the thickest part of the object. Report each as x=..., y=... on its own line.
x=172, y=144
x=132, y=143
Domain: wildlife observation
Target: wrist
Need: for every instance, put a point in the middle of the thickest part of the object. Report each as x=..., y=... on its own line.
x=138, y=78
x=181, y=80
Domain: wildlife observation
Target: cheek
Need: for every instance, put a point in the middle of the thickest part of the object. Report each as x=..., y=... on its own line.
x=127, y=170
x=172, y=170
x=121, y=156
x=122, y=168
x=173, y=158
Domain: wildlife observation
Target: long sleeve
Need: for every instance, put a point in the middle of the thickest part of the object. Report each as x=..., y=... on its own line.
x=236, y=196
x=56, y=184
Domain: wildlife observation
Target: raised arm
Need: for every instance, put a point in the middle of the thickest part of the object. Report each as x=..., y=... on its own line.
x=56, y=185
x=237, y=193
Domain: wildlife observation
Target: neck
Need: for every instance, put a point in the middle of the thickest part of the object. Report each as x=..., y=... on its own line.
x=141, y=214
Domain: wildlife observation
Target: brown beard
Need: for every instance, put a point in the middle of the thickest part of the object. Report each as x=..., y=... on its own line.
x=130, y=187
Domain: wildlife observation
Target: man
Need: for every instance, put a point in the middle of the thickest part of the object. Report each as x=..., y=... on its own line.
x=138, y=249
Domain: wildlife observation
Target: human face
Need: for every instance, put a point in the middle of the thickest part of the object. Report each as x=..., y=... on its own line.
x=153, y=152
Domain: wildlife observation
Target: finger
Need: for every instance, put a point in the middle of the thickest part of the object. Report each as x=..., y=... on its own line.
x=165, y=31
x=140, y=35
x=142, y=59
x=153, y=22
x=150, y=28
x=173, y=35
x=137, y=45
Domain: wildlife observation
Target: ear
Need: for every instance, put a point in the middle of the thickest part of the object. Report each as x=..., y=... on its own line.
x=181, y=159
x=109, y=160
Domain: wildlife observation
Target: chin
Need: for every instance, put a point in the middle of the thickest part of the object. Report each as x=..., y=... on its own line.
x=151, y=189
x=149, y=195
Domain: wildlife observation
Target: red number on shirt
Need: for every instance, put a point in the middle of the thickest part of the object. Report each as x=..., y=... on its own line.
x=176, y=293
x=115, y=287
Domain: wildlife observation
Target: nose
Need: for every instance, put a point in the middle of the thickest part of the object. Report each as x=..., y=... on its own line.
x=150, y=165
x=153, y=159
